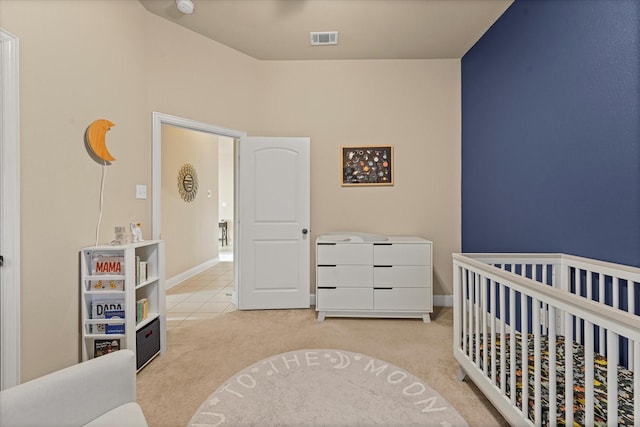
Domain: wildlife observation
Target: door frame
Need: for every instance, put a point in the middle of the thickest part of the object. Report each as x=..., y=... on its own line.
x=160, y=119
x=10, y=215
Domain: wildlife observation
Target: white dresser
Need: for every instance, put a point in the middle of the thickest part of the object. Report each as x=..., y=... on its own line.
x=356, y=278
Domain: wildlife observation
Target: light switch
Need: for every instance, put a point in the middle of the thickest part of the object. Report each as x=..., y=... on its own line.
x=141, y=191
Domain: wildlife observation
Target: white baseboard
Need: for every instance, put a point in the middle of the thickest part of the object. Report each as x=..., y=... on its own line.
x=443, y=300
x=438, y=300
x=176, y=280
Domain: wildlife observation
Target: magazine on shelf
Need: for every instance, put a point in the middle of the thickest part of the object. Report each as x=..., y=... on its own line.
x=106, y=285
x=102, y=347
x=107, y=263
x=142, y=272
x=114, y=328
x=100, y=304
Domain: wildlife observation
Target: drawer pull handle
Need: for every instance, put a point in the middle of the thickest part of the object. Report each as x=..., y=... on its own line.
x=383, y=289
x=148, y=334
x=382, y=244
x=383, y=266
x=327, y=265
x=326, y=244
x=327, y=287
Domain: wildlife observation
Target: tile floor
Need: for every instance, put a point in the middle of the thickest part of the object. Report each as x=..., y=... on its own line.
x=204, y=296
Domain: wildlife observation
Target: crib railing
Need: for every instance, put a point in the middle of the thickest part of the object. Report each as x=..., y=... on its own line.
x=521, y=299
x=609, y=284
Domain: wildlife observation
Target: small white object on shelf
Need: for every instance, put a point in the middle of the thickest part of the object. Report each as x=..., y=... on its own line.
x=136, y=232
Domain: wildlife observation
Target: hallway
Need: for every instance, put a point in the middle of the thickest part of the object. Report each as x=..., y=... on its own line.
x=204, y=296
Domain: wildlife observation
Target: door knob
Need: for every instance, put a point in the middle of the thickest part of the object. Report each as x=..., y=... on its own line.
x=305, y=231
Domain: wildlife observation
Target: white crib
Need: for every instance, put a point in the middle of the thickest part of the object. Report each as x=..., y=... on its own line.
x=580, y=316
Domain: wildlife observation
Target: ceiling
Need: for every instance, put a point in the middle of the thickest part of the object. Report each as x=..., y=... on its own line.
x=368, y=29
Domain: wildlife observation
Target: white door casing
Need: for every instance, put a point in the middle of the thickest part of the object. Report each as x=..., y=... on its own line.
x=159, y=119
x=274, y=220
x=9, y=212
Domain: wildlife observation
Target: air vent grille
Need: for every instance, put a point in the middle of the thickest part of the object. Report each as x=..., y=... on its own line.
x=324, y=38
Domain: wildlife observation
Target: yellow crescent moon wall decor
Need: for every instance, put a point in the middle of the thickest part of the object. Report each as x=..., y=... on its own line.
x=96, y=135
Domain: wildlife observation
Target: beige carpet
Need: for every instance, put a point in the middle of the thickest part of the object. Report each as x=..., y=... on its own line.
x=203, y=355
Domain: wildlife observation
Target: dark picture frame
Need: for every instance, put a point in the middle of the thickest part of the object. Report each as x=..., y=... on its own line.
x=366, y=165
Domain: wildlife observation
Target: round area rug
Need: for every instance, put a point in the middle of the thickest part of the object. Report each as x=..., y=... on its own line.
x=325, y=388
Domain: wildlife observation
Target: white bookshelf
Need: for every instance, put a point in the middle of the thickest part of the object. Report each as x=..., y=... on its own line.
x=146, y=337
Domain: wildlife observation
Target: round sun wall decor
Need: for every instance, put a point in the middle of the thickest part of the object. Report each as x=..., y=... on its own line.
x=187, y=182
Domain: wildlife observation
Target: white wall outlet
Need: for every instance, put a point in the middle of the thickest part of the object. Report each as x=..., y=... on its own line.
x=141, y=191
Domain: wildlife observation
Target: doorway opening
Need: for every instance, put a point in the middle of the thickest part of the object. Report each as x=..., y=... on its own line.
x=207, y=132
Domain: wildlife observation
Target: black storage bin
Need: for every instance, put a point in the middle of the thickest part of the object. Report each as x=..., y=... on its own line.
x=147, y=342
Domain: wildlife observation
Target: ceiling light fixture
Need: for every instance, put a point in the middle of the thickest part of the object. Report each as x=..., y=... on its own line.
x=185, y=6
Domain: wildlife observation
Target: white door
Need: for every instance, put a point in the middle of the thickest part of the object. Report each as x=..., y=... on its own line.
x=274, y=218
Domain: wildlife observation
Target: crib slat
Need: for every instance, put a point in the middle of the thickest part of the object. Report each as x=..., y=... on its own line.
x=537, y=390
x=476, y=315
x=512, y=341
x=612, y=378
x=482, y=303
x=601, y=287
x=631, y=301
x=568, y=369
x=578, y=291
x=553, y=393
x=601, y=299
x=524, y=356
x=463, y=309
x=493, y=302
x=636, y=383
x=588, y=373
x=503, y=341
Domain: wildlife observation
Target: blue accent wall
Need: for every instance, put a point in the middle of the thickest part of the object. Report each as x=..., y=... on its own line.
x=551, y=131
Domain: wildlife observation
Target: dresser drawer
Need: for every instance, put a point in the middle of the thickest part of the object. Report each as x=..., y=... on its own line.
x=402, y=276
x=401, y=254
x=348, y=253
x=345, y=275
x=409, y=299
x=344, y=299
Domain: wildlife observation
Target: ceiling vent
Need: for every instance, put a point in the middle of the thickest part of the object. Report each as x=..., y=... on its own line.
x=324, y=38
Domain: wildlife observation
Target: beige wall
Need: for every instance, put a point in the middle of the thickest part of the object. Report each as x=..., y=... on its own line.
x=85, y=60
x=189, y=229
x=81, y=61
x=412, y=105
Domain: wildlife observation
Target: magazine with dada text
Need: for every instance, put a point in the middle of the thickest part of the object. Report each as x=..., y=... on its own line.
x=100, y=305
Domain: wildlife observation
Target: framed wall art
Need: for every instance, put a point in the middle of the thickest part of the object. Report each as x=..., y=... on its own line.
x=187, y=182
x=367, y=165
